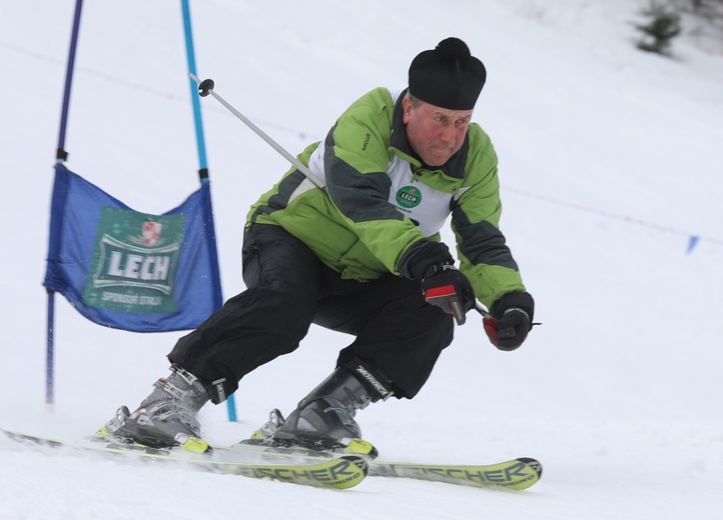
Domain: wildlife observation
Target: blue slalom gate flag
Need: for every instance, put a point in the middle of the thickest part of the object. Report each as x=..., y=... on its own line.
x=129, y=270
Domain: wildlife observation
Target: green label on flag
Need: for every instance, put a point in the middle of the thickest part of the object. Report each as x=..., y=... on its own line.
x=134, y=262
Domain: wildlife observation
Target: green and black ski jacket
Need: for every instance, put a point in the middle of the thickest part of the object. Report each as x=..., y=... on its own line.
x=380, y=203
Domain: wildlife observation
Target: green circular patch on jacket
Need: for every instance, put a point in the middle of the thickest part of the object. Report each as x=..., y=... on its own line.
x=409, y=197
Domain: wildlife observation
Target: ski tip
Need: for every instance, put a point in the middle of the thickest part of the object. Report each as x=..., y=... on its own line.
x=535, y=464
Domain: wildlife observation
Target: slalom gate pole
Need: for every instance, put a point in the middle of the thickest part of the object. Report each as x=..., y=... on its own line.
x=61, y=155
x=191, y=59
x=50, y=354
x=203, y=171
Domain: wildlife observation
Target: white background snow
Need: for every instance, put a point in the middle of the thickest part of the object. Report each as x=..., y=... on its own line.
x=610, y=160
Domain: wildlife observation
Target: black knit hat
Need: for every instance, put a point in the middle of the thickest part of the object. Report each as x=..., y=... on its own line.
x=447, y=76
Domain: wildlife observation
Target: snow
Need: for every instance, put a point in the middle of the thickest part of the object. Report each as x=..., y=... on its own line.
x=610, y=164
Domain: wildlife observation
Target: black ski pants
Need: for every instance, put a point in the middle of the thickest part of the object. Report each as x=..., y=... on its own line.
x=288, y=288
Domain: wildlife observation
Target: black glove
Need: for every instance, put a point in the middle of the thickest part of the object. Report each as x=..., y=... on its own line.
x=511, y=320
x=448, y=289
x=442, y=284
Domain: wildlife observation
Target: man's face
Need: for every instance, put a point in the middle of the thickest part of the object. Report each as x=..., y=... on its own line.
x=435, y=133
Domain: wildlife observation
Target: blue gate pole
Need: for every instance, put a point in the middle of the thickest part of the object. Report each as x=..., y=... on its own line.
x=203, y=170
x=60, y=155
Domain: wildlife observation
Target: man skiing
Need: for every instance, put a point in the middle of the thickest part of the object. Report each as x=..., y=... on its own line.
x=357, y=250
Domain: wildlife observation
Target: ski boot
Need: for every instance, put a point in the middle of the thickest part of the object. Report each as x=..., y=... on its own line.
x=324, y=419
x=166, y=418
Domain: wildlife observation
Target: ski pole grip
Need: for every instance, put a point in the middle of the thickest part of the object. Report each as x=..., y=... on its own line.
x=457, y=311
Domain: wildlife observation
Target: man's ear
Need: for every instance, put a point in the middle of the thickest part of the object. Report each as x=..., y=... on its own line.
x=406, y=109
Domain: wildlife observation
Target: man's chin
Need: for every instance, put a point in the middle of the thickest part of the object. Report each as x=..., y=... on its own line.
x=436, y=160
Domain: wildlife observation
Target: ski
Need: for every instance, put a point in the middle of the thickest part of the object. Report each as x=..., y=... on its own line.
x=342, y=472
x=516, y=474
x=304, y=466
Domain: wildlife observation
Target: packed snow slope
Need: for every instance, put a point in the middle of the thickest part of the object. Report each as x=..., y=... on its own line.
x=610, y=166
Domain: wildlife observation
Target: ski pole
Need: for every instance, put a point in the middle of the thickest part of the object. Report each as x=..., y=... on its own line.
x=481, y=309
x=205, y=88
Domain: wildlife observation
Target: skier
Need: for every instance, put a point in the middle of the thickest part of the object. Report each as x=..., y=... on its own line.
x=363, y=256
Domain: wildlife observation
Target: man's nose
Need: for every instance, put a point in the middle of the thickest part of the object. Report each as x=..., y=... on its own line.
x=447, y=134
